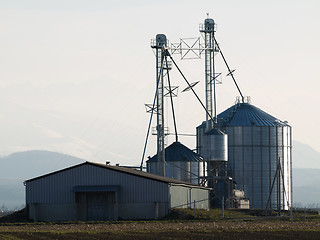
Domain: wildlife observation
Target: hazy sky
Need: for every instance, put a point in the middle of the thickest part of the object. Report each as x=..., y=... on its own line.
x=75, y=74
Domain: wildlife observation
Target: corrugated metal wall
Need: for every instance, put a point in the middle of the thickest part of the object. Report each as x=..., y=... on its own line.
x=253, y=156
x=185, y=197
x=181, y=163
x=58, y=187
x=183, y=171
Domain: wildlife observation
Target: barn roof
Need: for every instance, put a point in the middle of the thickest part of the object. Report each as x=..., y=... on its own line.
x=124, y=170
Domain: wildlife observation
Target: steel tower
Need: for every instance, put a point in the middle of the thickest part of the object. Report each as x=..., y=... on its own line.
x=208, y=29
x=159, y=46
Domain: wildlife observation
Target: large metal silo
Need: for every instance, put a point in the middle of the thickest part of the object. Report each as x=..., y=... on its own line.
x=257, y=142
x=181, y=163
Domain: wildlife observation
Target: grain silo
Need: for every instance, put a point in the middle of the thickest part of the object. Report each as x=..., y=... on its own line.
x=212, y=145
x=257, y=142
x=181, y=163
x=257, y=157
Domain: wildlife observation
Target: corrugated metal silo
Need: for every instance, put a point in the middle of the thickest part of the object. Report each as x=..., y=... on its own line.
x=181, y=163
x=212, y=145
x=256, y=143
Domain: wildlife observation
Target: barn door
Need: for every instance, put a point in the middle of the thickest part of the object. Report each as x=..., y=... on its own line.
x=100, y=206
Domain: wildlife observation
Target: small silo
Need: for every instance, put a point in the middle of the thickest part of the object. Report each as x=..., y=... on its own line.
x=212, y=145
x=257, y=142
x=181, y=163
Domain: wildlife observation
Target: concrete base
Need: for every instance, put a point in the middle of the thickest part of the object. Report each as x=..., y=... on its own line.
x=52, y=212
x=77, y=212
x=143, y=211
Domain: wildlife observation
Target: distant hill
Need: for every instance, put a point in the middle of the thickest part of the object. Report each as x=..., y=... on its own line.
x=21, y=166
x=306, y=187
x=304, y=156
x=306, y=175
x=30, y=164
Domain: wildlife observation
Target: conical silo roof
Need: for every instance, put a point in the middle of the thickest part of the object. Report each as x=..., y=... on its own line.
x=215, y=131
x=177, y=152
x=245, y=114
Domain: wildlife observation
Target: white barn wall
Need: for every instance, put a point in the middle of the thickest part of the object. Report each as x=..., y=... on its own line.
x=184, y=197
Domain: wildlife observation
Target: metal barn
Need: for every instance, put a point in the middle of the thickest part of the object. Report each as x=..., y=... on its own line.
x=92, y=191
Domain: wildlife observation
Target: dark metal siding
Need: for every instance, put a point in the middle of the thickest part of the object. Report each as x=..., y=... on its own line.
x=58, y=187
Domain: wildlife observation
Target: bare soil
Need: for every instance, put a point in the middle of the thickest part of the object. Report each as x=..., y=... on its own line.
x=165, y=230
x=181, y=224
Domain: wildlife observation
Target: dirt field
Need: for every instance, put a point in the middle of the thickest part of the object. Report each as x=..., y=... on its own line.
x=180, y=224
x=166, y=230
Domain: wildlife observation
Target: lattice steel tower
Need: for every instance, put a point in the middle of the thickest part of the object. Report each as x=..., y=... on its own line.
x=208, y=29
x=159, y=46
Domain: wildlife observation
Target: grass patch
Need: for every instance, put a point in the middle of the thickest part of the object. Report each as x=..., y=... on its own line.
x=212, y=214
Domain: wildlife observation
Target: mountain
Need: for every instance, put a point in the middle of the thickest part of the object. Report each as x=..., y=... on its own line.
x=304, y=156
x=30, y=164
x=305, y=176
x=306, y=187
x=21, y=166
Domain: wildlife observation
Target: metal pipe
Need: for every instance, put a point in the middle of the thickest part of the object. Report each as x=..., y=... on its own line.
x=279, y=188
x=271, y=189
x=222, y=207
x=171, y=99
x=214, y=83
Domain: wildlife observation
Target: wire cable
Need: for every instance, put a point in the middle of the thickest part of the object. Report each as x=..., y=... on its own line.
x=230, y=71
x=154, y=102
x=171, y=99
x=196, y=95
